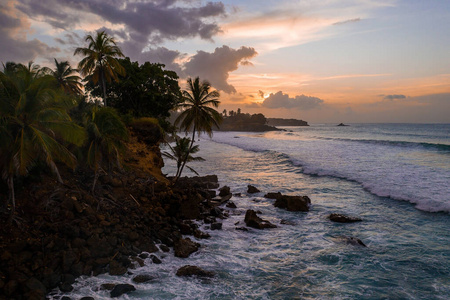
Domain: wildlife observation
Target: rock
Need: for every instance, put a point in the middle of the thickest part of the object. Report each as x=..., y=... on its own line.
x=201, y=235
x=35, y=285
x=108, y=286
x=142, y=278
x=116, y=268
x=10, y=287
x=252, y=190
x=155, y=259
x=351, y=240
x=343, y=218
x=185, y=247
x=66, y=287
x=216, y=212
x=121, y=289
x=293, y=203
x=286, y=222
x=231, y=205
x=193, y=271
x=241, y=228
x=87, y=298
x=216, y=226
x=252, y=220
x=224, y=191
x=273, y=195
x=164, y=248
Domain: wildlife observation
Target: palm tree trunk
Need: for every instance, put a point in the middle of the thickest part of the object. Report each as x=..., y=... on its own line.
x=12, y=198
x=103, y=86
x=187, y=156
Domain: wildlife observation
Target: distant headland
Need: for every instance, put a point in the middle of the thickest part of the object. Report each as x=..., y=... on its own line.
x=238, y=121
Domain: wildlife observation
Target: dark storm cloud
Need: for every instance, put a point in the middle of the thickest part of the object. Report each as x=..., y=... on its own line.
x=216, y=66
x=302, y=102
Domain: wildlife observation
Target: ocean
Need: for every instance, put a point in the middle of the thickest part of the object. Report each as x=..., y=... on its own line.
x=396, y=177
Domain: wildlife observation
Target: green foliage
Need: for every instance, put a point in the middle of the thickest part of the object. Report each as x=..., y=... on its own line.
x=34, y=123
x=182, y=152
x=146, y=90
x=99, y=64
x=66, y=77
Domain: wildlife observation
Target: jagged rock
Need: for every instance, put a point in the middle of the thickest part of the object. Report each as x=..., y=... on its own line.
x=252, y=220
x=293, y=203
x=273, y=195
x=121, y=289
x=252, y=190
x=201, y=235
x=164, y=248
x=340, y=218
x=143, y=278
x=231, y=205
x=351, y=240
x=216, y=226
x=224, y=191
x=185, y=247
x=116, y=268
x=193, y=271
x=155, y=259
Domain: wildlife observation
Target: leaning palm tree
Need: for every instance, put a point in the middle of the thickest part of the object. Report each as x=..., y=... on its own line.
x=199, y=114
x=181, y=150
x=99, y=63
x=34, y=125
x=67, y=78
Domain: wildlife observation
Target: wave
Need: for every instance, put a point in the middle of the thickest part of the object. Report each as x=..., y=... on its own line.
x=405, y=144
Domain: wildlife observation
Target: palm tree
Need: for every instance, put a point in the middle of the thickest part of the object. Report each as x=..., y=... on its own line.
x=197, y=114
x=106, y=134
x=179, y=153
x=66, y=78
x=34, y=124
x=99, y=63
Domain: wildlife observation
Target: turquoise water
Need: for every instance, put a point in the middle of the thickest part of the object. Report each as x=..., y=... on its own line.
x=395, y=177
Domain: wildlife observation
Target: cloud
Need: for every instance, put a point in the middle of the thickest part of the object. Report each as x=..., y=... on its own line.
x=14, y=45
x=393, y=97
x=302, y=102
x=172, y=59
x=347, y=21
x=216, y=66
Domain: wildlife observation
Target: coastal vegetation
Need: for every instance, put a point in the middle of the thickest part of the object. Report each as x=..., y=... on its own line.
x=238, y=121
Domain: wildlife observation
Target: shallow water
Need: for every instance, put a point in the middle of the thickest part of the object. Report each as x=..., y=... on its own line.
x=408, y=248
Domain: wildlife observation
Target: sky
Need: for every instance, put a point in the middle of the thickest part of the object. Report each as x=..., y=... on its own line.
x=326, y=61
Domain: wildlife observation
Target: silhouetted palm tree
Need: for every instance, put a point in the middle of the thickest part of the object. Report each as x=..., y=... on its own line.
x=67, y=78
x=182, y=150
x=106, y=134
x=34, y=123
x=199, y=113
x=99, y=62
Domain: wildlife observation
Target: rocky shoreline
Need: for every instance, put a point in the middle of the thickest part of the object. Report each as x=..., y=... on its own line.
x=72, y=233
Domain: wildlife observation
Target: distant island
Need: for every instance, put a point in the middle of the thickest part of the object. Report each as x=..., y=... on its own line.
x=238, y=121
x=286, y=122
x=342, y=124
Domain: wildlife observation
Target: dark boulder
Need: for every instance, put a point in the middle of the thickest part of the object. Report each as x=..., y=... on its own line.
x=121, y=289
x=224, y=191
x=252, y=190
x=343, y=218
x=143, y=278
x=116, y=268
x=193, y=271
x=216, y=226
x=293, y=203
x=185, y=247
x=252, y=220
x=273, y=195
x=351, y=240
x=231, y=205
x=155, y=259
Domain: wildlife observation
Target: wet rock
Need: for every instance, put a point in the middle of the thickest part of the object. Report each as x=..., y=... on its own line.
x=351, y=240
x=35, y=285
x=340, y=218
x=108, y=286
x=201, y=235
x=185, y=247
x=143, y=278
x=121, y=289
x=87, y=298
x=293, y=203
x=164, y=248
x=273, y=195
x=231, y=205
x=155, y=259
x=66, y=287
x=252, y=190
x=224, y=191
x=252, y=220
x=241, y=228
x=189, y=270
x=216, y=226
x=286, y=222
x=116, y=268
